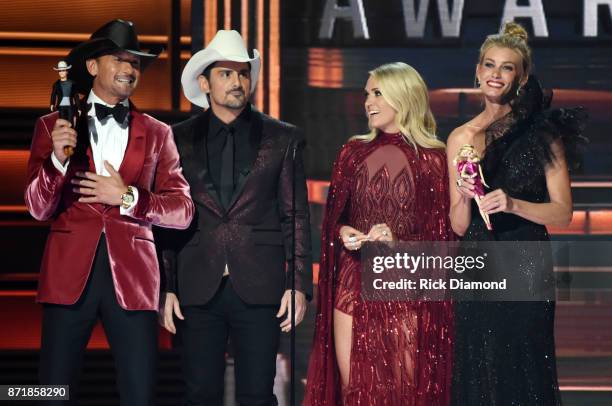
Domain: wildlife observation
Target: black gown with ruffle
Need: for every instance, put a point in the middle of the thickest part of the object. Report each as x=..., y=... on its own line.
x=505, y=351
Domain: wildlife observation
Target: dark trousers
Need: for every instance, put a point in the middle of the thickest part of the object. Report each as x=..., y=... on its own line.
x=132, y=336
x=255, y=333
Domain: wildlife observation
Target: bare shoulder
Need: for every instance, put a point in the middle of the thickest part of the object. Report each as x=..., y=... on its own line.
x=463, y=134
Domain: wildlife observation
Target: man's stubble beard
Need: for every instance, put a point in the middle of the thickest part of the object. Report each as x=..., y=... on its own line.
x=234, y=103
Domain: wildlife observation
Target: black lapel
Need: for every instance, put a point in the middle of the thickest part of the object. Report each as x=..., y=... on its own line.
x=255, y=135
x=202, y=187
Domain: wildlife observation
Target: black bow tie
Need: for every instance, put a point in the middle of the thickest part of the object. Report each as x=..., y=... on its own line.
x=119, y=112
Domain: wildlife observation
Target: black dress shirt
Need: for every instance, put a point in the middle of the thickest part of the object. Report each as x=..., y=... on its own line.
x=217, y=132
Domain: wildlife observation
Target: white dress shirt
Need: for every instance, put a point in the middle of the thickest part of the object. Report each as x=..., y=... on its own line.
x=108, y=140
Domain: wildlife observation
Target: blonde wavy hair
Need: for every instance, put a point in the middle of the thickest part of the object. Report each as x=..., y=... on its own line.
x=512, y=36
x=405, y=91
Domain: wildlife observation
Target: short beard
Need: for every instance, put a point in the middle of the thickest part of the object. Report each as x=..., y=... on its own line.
x=234, y=103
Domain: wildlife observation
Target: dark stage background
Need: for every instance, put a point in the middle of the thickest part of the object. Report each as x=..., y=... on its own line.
x=316, y=55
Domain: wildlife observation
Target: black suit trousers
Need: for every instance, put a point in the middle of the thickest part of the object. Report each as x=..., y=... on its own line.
x=254, y=331
x=132, y=336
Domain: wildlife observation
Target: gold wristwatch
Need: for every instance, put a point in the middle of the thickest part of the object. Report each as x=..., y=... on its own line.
x=127, y=199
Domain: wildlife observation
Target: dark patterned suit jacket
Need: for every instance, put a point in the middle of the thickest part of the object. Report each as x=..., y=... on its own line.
x=254, y=236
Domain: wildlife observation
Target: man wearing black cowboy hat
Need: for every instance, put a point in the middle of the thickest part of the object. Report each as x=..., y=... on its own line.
x=227, y=274
x=123, y=177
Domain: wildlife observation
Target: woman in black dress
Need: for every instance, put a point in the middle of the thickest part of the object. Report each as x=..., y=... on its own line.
x=505, y=350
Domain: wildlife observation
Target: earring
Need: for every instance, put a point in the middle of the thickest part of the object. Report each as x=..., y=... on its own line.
x=518, y=91
x=477, y=83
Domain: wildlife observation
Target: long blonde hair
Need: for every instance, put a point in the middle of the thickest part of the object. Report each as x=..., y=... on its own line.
x=405, y=91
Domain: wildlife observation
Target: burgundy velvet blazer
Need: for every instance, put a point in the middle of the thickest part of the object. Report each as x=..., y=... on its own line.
x=151, y=164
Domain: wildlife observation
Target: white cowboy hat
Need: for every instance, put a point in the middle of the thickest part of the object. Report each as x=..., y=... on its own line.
x=62, y=65
x=225, y=46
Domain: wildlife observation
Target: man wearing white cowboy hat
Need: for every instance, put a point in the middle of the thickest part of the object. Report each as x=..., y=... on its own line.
x=100, y=260
x=64, y=95
x=226, y=274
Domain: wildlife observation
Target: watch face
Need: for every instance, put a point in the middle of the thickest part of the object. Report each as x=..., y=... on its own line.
x=127, y=198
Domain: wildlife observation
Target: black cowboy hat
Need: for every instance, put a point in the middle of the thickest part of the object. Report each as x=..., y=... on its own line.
x=116, y=35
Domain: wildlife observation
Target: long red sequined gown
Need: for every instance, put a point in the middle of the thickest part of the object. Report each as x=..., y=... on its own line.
x=402, y=350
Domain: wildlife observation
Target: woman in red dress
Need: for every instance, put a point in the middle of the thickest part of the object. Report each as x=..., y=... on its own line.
x=388, y=185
